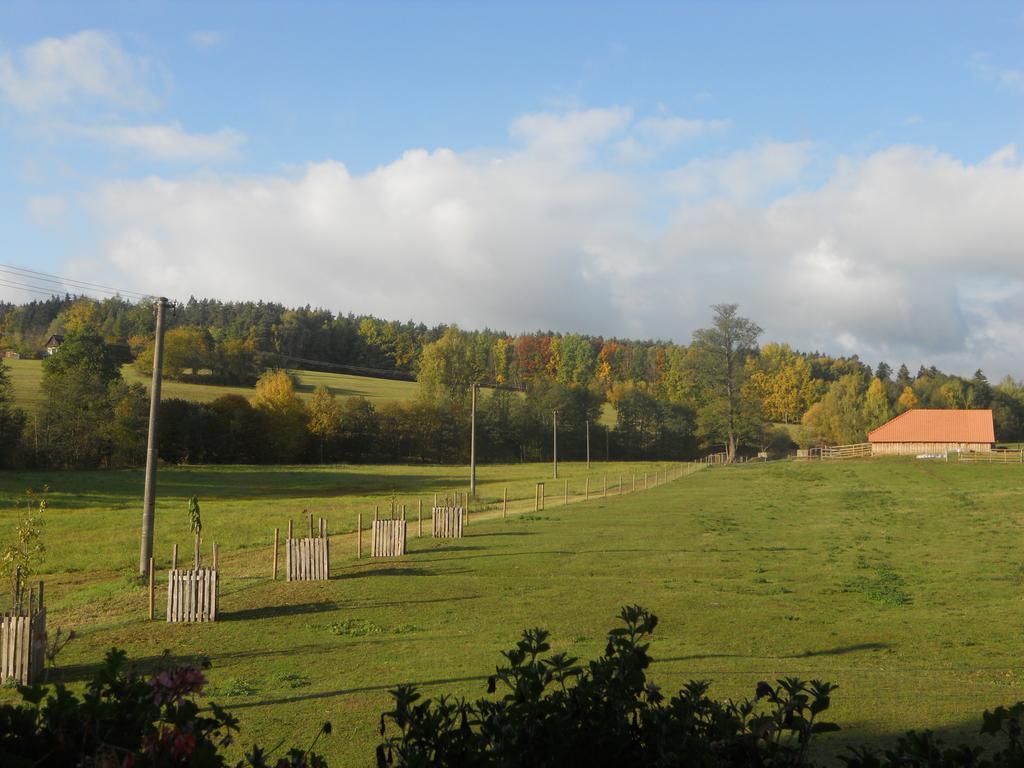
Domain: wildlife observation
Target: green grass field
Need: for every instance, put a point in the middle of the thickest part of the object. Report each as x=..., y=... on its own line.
x=900, y=580
x=26, y=376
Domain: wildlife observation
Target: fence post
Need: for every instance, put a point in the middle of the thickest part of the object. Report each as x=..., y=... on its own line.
x=277, y=539
x=215, y=555
x=174, y=558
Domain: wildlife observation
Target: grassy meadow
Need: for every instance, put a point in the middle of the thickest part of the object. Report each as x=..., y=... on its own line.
x=898, y=579
x=26, y=376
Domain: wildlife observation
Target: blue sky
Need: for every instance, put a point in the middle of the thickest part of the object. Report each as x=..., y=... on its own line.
x=848, y=173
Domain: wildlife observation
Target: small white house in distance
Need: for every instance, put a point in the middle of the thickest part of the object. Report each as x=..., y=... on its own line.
x=53, y=343
x=927, y=430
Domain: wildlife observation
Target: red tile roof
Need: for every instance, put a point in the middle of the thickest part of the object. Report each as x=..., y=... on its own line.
x=925, y=425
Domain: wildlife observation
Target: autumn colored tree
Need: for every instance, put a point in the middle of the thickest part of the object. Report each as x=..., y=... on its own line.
x=907, y=400
x=284, y=413
x=876, y=405
x=781, y=380
x=324, y=417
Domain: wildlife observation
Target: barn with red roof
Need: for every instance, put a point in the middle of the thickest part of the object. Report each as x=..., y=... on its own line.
x=926, y=430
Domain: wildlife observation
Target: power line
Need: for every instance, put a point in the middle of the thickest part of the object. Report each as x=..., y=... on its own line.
x=21, y=287
x=25, y=273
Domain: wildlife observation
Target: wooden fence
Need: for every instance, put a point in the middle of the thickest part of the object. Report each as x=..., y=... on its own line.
x=388, y=538
x=23, y=641
x=192, y=594
x=309, y=558
x=447, y=522
x=995, y=456
x=854, y=451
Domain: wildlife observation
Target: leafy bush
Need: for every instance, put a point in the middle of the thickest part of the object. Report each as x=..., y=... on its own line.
x=556, y=712
x=130, y=721
x=553, y=711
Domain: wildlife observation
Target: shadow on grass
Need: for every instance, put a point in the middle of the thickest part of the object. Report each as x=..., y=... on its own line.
x=274, y=611
x=837, y=651
x=349, y=691
x=370, y=573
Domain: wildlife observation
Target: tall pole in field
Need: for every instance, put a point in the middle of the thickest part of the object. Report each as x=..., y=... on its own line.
x=554, y=450
x=472, y=445
x=149, y=498
x=588, y=444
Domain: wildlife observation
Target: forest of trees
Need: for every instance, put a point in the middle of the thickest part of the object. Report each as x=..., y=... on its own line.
x=722, y=392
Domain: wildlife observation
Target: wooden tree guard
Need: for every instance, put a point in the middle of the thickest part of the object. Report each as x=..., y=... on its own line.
x=192, y=592
x=447, y=522
x=23, y=641
x=192, y=595
x=309, y=559
x=388, y=538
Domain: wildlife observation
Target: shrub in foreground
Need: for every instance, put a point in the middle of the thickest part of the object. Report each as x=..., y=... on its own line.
x=553, y=711
x=129, y=721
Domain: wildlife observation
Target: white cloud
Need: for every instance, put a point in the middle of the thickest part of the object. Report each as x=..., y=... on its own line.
x=653, y=135
x=981, y=64
x=170, y=141
x=669, y=131
x=744, y=174
x=205, y=38
x=898, y=254
x=570, y=136
x=89, y=64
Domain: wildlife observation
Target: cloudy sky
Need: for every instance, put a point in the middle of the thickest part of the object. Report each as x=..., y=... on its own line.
x=851, y=174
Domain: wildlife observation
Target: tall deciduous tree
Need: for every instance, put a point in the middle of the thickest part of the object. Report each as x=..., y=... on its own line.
x=907, y=400
x=876, y=405
x=324, y=417
x=76, y=405
x=722, y=350
x=447, y=368
x=781, y=379
x=285, y=415
x=12, y=419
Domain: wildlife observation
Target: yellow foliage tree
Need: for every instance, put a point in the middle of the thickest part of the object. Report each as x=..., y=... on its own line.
x=907, y=401
x=876, y=405
x=286, y=416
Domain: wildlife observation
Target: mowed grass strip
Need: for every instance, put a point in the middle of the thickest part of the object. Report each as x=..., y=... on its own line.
x=27, y=376
x=899, y=580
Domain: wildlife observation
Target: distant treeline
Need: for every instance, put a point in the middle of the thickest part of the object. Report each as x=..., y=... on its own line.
x=723, y=391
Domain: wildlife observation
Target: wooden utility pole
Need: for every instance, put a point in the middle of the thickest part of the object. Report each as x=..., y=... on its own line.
x=554, y=450
x=472, y=445
x=588, y=444
x=149, y=497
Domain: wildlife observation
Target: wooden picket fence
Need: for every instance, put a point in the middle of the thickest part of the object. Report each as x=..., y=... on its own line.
x=309, y=558
x=447, y=522
x=389, y=537
x=23, y=641
x=192, y=595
